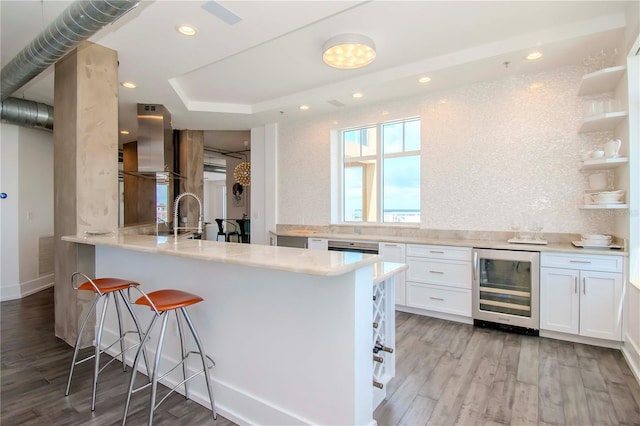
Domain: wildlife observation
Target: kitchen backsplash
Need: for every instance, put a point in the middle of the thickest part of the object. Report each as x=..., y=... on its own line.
x=490, y=151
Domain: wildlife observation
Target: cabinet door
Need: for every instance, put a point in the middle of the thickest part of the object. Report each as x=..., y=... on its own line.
x=318, y=244
x=394, y=252
x=601, y=305
x=559, y=300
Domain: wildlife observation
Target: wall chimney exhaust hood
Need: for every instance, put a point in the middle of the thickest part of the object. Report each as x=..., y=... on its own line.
x=155, y=143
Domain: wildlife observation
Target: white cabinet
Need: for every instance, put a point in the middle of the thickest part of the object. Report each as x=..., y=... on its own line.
x=317, y=244
x=581, y=294
x=395, y=252
x=439, y=279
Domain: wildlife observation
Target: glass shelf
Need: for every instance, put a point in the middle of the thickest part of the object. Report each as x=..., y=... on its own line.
x=604, y=206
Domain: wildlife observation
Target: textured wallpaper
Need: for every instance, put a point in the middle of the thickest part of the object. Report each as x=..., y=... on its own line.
x=491, y=151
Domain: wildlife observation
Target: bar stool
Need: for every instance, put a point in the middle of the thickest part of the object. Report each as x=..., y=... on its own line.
x=104, y=287
x=162, y=302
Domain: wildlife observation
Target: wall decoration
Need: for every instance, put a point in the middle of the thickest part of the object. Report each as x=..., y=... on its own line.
x=238, y=197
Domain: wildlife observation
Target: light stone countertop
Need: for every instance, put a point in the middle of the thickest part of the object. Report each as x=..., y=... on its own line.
x=384, y=270
x=311, y=262
x=455, y=242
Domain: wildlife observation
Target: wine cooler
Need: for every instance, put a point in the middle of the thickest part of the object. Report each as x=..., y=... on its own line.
x=506, y=285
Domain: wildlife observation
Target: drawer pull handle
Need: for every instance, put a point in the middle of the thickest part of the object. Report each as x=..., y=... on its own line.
x=436, y=272
x=436, y=251
x=391, y=245
x=436, y=298
x=580, y=261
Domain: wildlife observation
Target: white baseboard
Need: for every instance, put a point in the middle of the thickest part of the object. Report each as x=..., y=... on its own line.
x=11, y=292
x=231, y=402
x=631, y=354
x=39, y=284
x=21, y=290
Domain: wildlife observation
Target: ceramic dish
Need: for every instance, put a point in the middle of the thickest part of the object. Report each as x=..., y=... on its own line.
x=580, y=244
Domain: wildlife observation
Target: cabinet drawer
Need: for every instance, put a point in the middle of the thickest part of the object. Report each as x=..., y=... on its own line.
x=450, y=273
x=587, y=262
x=439, y=252
x=434, y=298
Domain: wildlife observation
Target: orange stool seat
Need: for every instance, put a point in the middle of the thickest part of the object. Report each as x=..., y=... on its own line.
x=168, y=300
x=107, y=285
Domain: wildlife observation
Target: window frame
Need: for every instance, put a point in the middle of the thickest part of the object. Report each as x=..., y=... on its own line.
x=379, y=158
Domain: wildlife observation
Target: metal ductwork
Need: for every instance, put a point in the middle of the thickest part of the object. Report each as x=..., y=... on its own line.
x=27, y=113
x=78, y=22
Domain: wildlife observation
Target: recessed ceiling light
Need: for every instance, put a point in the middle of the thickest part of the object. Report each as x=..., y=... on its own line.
x=124, y=132
x=129, y=84
x=534, y=55
x=187, y=30
x=357, y=95
x=304, y=107
x=424, y=79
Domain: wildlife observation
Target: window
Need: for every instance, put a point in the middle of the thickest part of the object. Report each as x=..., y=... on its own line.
x=381, y=172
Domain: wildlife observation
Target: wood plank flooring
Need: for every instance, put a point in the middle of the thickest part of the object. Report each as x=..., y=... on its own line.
x=33, y=375
x=447, y=373
x=456, y=374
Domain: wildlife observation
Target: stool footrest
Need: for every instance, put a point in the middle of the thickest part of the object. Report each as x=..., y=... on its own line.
x=197, y=373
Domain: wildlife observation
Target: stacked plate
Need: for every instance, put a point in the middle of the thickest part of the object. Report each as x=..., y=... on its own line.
x=596, y=240
x=608, y=197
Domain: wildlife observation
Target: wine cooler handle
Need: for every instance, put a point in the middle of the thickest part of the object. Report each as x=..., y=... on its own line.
x=475, y=266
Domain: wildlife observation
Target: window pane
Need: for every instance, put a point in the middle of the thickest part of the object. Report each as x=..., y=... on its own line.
x=392, y=138
x=369, y=142
x=351, y=143
x=401, y=183
x=412, y=135
x=353, y=194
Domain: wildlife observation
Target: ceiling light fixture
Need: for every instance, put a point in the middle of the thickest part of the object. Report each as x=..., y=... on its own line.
x=424, y=79
x=357, y=95
x=187, y=30
x=129, y=85
x=304, y=107
x=534, y=55
x=124, y=132
x=348, y=51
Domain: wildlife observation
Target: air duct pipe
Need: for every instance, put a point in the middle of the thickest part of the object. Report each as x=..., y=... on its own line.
x=26, y=113
x=77, y=23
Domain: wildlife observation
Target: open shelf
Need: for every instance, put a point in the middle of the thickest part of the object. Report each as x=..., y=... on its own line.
x=604, y=206
x=601, y=81
x=604, y=163
x=602, y=122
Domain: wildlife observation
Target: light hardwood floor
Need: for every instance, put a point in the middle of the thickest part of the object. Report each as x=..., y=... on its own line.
x=447, y=373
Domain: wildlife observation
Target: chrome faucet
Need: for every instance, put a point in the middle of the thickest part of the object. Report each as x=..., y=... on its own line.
x=175, y=214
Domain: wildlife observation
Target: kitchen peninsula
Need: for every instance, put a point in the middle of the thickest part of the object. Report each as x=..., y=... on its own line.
x=290, y=330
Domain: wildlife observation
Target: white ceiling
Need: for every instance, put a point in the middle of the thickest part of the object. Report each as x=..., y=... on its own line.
x=234, y=77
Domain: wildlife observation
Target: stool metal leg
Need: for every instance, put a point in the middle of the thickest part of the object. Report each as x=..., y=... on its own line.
x=138, y=329
x=134, y=369
x=183, y=351
x=204, y=360
x=77, y=346
x=120, y=332
x=96, y=365
x=156, y=364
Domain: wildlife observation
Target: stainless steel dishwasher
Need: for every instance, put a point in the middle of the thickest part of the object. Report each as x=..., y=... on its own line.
x=506, y=290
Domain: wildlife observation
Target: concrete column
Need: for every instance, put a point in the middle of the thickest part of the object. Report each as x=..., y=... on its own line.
x=85, y=171
x=192, y=171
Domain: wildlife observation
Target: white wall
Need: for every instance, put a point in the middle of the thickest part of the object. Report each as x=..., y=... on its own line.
x=27, y=213
x=9, y=237
x=491, y=150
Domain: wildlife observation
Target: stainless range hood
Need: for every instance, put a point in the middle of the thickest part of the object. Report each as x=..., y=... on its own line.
x=155, y=143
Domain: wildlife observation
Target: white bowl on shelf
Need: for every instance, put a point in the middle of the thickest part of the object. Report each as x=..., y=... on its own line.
x=608, y=197
x=596, y=237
